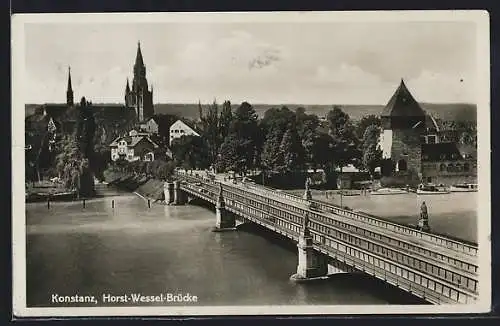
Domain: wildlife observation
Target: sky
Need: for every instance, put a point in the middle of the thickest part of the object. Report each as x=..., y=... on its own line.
x=265, y=62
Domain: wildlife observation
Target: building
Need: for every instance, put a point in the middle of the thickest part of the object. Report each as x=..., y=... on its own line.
x=350, y=177
x=182, y=128
x=133, y=148
x=403, y=124
x=444, y=163
x=150, y=126
x=139, y=96
x=411, y=144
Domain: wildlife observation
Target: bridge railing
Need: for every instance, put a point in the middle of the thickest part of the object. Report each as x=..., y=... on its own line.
x=366, y=218
x=398, y=228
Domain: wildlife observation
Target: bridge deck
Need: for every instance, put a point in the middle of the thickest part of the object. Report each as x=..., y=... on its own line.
x=409, y=259
x=443, y=252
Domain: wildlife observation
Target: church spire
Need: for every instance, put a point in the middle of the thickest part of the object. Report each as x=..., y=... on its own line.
x=69, y=90
x=139, y=62
x=127, y=88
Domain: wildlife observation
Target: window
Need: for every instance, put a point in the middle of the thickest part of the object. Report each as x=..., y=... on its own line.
x=466, y=167
x=431, y=139
x=442, y=167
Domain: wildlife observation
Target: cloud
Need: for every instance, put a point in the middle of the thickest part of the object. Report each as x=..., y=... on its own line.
x=345, y=75
x=431, y=86
x=268, y=62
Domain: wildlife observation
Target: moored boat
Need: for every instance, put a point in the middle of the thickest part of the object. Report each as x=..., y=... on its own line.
x=388, y=191
x=464, y=187
x=431, y=190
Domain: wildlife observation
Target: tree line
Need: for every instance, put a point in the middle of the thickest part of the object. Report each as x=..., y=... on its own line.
x=282, y=142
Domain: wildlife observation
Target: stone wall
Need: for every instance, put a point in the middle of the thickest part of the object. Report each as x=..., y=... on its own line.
x=406, y=146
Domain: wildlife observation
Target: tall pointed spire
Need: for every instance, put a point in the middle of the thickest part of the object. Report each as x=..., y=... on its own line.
x=139, y=62
x=127, y=88
x=69, y=90
x=69, y=79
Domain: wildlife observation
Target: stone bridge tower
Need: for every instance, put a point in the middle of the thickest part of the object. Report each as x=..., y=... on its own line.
x=403, y=123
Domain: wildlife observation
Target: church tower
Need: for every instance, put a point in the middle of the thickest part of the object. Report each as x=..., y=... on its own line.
x=69, y=90
x=139, y=96
x=403, y=124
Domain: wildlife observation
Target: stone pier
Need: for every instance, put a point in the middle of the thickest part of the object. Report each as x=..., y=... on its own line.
x=168, y=190
x=225, y=220
x=311, y=263
x=180, y=198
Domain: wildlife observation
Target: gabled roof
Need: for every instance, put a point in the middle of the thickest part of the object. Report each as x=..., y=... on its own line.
x=402, y=104
x=155, y=119
x=189, y=124
x=440, y=152
x=431, y=123
x=132, y=141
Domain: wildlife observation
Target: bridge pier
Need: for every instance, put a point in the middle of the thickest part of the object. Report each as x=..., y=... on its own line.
x=224, y=219
x=180, y=197
x=168, y=190
x=311, y=263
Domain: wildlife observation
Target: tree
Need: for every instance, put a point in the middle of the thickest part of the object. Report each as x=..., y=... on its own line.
x=308, y=131
x=86, y=128
x=321, y=153
x=211, y=132
x=243, y=139
x=372, y=154
x=290, y=152
x=365, y=122
x=74, y=168
x=271, y=156
x=343, y=135
x=191, y=152
x=230, y=158
x=226, y=117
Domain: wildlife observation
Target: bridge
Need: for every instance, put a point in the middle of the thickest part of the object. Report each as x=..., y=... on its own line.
x=334, y=240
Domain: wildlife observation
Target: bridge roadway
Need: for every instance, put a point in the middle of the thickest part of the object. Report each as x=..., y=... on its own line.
x=437, y=269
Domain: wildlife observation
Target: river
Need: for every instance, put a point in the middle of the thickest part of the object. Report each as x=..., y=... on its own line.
x=135, y=249
x=454, y=214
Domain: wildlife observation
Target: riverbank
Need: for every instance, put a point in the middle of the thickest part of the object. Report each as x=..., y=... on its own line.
x=145, y=187
x=45, y=190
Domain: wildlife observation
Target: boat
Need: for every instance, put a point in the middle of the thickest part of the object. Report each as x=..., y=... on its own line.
x=63, y=196
x=388, y=191
x=431, y=190
x=464, y=187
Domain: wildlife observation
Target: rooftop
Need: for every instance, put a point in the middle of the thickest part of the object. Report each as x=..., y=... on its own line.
x=402, y=104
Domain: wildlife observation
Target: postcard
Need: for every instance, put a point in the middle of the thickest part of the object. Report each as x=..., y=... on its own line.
x=266, y=163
